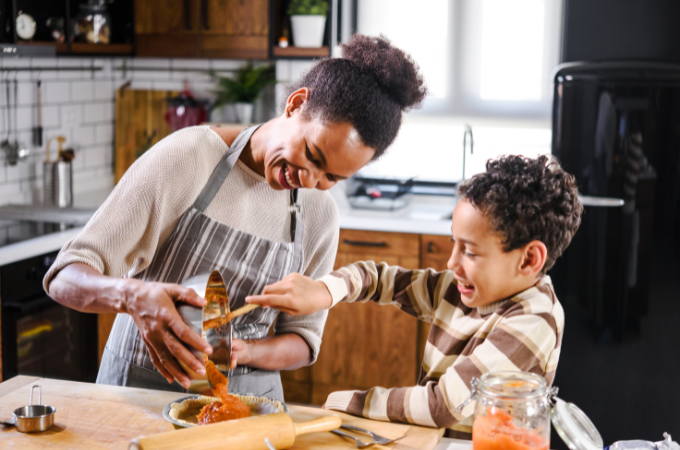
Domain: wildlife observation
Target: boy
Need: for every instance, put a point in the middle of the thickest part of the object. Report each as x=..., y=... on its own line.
x=494, y=309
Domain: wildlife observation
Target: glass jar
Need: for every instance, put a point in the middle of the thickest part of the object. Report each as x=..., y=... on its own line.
x=93, y=24
x=514, y=411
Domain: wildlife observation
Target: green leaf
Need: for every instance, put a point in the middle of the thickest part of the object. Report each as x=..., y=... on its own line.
x=308, y=8
x=245, y=86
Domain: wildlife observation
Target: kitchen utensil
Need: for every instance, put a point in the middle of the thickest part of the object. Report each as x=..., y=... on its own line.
x=63, y=184
x=32, y=418
x=360, y=444
x=258, y=406
x=49, y=172
x=269, y=444
x=38, y=130
x=377, y=439
x=9, y=145
x=248, y=433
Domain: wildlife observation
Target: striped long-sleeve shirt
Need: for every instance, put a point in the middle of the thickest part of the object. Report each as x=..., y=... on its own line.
x=520, y=333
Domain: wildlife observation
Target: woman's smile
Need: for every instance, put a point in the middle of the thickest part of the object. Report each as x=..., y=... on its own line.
x=288, y=179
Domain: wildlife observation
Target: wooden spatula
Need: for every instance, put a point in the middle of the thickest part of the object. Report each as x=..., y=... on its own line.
x=239, y=434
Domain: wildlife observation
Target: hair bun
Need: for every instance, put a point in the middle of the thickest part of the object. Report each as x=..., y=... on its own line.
x=394, y=70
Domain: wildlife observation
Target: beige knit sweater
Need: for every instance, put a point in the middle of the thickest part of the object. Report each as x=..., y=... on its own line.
x=141, y=212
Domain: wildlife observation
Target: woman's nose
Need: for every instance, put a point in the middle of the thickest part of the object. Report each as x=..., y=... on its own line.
x=311, y=177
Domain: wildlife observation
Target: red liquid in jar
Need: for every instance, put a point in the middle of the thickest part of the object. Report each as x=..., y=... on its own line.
x=495, y=431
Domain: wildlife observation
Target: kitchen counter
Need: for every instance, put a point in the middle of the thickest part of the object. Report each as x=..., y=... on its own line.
x=424, y=215
x=97, y=416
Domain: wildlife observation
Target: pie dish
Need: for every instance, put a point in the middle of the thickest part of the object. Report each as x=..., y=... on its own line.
x=183, y=412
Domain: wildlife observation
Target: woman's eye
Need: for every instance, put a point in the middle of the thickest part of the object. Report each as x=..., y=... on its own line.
x=470, y=255
x=311, y=158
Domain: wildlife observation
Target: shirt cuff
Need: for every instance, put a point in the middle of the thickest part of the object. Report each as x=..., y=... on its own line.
x=337, y=287
x=339, y=401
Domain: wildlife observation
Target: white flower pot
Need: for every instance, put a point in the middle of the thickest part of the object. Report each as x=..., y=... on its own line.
x=244, y=113
x=308, y=30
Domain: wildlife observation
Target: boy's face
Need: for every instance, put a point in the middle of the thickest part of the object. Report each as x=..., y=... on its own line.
x=485, y=273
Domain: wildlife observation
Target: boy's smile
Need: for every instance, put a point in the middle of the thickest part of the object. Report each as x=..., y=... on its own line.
x=484, y=272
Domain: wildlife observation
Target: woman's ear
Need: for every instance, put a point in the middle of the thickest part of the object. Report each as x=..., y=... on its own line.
x=296, y=100
x=534, y=256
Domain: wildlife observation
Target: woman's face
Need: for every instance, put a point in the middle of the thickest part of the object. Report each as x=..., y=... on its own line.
x=305, y=153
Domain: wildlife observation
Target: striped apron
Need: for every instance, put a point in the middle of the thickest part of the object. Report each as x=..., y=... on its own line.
x=247, y=263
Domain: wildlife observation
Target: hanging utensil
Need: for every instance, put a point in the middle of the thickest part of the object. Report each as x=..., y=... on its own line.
x=21, y=153
x=38, y=130
x=5, y=143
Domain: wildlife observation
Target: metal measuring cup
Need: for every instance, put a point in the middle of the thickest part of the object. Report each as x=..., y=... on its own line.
x=32, y=418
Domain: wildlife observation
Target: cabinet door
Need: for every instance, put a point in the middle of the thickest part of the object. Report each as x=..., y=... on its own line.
x=366, y=345
x=234, y=29
x=435, y=251
x=167, y=28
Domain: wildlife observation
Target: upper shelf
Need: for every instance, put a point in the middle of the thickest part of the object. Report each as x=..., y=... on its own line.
x=84, y=49
x=300, y=52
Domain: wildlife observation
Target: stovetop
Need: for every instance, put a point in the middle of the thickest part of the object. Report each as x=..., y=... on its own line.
x=13, y=231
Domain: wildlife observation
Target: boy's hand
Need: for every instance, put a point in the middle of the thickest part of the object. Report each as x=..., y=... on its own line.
x=296, y=295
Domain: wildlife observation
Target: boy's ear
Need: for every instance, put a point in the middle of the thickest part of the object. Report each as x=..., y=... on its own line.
x=534, y=257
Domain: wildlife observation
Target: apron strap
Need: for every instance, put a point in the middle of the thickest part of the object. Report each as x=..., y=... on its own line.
x=220, y=174
x=223, y=169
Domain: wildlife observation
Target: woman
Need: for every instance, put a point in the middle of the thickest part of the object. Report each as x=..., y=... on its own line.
x=204, y=199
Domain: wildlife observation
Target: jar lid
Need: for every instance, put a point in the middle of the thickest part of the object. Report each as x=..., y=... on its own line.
x=574, y=427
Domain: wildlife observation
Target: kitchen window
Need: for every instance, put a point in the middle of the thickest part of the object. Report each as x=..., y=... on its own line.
x=487, y=63
x=480, y=58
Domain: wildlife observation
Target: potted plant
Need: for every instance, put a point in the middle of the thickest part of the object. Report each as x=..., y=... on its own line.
x=243, y=89
x=308, y=21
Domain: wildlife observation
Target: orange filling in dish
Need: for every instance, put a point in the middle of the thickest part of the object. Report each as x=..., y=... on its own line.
x=229, y=408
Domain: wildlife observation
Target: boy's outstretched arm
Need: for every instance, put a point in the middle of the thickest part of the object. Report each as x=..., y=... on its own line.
x=527, y=342
x=417, y=292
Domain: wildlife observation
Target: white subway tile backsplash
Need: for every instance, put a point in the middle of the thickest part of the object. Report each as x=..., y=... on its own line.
x=81, y=106
x=98, y=112
x=104, y=134
x=103, y=90
x=82, y=91
x=83, y=136
x=24, y=118
x=56, y=91
x=71, y=115
x=26, y=93
x=50, y=116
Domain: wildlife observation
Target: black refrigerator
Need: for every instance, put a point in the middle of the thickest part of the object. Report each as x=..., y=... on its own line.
x=616, y=128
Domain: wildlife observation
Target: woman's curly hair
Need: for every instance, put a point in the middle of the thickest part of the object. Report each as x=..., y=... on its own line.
x=527, y=199
x=369, y=87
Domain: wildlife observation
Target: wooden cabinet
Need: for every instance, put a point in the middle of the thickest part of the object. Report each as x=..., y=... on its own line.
x=202, y=28
x=364, y=345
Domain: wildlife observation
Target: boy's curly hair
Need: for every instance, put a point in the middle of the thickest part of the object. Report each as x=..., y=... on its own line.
x=527, y=199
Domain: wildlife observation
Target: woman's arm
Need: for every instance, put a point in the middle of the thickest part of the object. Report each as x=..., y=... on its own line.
x=151, y=305
x=281, y=352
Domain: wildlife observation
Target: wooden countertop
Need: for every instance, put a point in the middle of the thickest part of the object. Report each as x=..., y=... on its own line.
x=92, y=416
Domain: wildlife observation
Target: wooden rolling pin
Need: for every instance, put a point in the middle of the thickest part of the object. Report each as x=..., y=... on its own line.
x=241, y=434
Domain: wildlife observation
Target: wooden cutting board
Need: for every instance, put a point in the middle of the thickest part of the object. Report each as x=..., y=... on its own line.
x=91, y=416
x=140, y=123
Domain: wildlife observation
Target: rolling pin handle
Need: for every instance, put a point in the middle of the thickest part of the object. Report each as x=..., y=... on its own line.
x=327, y=423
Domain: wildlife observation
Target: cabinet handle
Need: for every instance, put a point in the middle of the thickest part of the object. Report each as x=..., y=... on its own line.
x=204, y=12
x=430, y=247
x=187, y=14
x=365, y=243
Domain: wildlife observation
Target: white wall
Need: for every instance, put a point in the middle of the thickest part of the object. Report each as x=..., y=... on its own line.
x=81, y=106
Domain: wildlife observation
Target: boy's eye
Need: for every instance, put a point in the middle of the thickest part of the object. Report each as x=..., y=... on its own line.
x=330, y=177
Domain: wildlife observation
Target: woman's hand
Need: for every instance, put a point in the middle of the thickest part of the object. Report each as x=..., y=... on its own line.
x=295, y=295
x=152, y=307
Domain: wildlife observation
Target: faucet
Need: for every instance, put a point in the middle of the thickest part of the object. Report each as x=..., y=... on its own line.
x=468, y=130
